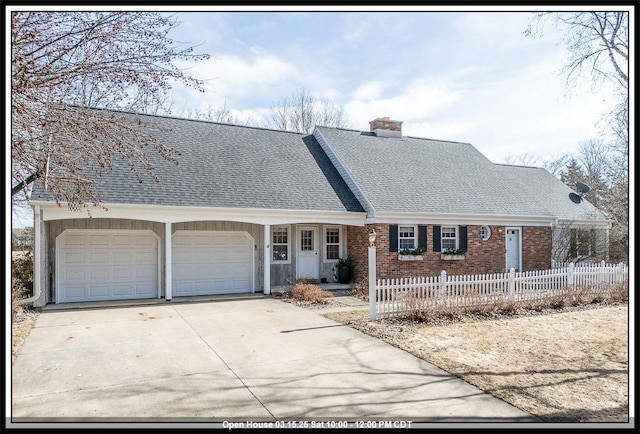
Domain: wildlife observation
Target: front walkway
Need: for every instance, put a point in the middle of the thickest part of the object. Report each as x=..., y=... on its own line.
x=245, y=359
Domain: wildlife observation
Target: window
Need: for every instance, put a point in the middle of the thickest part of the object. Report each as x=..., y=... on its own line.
x=406, y=237
x=280, y=244
x=582, y=243
x=448, y=238
x=485, y=233
x=332, y=243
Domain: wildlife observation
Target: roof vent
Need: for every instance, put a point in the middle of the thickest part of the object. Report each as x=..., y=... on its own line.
x=385, y=127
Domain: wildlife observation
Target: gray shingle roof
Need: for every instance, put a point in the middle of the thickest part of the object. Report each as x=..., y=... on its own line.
x=430, y=176
x=229, y=166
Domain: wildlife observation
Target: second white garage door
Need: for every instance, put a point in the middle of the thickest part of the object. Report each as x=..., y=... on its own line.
x=211, y=262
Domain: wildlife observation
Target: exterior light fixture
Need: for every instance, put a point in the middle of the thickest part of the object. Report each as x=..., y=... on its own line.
x=372, y=237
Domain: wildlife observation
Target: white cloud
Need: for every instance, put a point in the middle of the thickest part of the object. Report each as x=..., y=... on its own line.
x=231, y=78
x=368, y=91
x=418, y=101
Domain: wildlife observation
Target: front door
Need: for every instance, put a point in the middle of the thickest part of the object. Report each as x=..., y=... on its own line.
x=307, y=252
x=513, y=249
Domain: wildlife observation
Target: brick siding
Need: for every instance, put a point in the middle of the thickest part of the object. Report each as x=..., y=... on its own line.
x=481, y=257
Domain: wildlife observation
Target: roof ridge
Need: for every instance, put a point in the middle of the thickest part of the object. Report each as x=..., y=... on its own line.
x=519, y=165
x=438, y=140
x=403, y=137
x=179, y=118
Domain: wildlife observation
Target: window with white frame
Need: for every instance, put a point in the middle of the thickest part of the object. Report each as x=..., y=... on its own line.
x=448, y=238
x=332, y=243
x=485, y=233
x=582, y=243
x=406, y=237
x=280, y=251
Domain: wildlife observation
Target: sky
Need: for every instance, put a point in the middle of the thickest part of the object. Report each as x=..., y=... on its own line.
x=462, y=76
x=450, y=73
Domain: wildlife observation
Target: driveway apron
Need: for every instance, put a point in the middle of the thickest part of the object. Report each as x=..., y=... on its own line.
x=237, y=360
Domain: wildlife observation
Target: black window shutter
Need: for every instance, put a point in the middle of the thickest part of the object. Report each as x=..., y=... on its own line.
x=393, y=238
x=422, y=237
x=462, y=245
x=436, y=239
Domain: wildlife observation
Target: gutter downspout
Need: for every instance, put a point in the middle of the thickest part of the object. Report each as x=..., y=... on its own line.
x=37, y=257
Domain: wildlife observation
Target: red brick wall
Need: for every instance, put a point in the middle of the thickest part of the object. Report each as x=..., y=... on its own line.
x=481, y=257
x=536, y=248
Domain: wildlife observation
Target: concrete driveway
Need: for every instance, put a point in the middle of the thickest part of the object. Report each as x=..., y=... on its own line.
x=245, y=359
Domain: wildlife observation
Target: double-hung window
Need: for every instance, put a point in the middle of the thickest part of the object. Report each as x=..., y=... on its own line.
x=332, y=243
x=448, y=238
x=280, y=246
x=582, y=243
x=406, y=237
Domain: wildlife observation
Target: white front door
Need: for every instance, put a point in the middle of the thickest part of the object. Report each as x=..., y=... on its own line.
x=513, y=249
x=307, y=252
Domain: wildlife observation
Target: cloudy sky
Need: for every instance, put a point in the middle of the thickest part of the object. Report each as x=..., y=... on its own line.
x=453, y=73
x=469, y=76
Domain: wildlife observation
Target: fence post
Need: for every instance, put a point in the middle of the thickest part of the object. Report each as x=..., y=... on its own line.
x=443, y=287
x=571, y=278
x=619, y=273
x=512, y=285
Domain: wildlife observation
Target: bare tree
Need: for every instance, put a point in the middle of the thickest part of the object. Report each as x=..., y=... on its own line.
x=302, y=111
x=596, y=41
x=598, y=50
x=220, y=114
x=555, y=165
x=575, y=243
x=64, y=62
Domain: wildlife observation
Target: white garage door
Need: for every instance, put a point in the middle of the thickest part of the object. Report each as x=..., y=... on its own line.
x=96, y=264
x=211, y=262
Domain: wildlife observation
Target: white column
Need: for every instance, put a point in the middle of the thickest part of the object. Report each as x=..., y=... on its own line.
x=167, y=262
x=267, y=260
x=37, y=255
x=372, y=283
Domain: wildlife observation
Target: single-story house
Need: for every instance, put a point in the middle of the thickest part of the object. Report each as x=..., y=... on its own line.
x=246, y=209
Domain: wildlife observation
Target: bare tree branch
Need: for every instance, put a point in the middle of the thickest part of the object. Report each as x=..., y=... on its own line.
x=64, y=61
x=302, y=111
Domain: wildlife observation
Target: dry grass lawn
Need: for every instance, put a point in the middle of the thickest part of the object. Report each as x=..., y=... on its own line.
x=562, y=367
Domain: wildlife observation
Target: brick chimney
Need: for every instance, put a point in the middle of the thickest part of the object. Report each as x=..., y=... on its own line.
x=385, y=127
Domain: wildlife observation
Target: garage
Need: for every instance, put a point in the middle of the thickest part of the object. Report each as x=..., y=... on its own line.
x=97, y=265
x=212, y=262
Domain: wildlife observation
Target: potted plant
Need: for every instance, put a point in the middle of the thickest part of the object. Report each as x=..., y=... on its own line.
x=345, y=270
x=411, y=254
x=452, y=254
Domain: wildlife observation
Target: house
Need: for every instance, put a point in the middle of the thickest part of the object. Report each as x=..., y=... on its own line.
x=247, y=209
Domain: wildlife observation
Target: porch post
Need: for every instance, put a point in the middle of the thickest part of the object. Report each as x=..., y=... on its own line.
x=373, y=299
x=167, y=262
x=37, y=255
x=267, y=260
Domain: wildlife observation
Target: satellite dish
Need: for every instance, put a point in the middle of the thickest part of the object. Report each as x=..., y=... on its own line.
x=575, y=198
x=582, y=189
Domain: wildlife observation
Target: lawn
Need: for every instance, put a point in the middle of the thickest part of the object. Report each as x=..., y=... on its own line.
x=567, y=366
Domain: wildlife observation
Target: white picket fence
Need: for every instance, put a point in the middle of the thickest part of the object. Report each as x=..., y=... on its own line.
x=397, y=296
